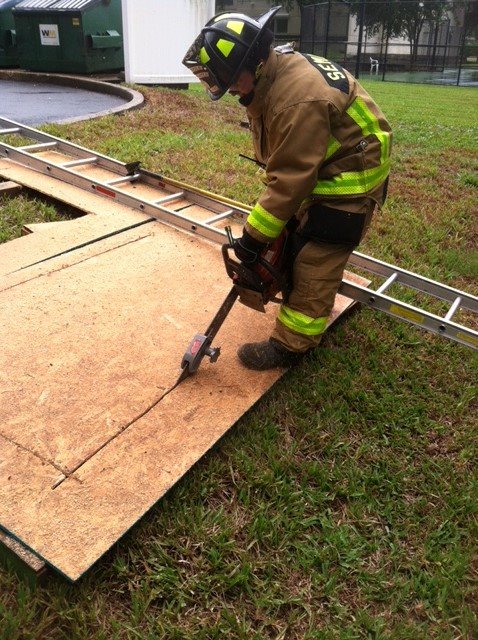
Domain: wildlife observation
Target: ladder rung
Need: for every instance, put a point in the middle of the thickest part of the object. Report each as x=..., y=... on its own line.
x=219, y=216
x=387, y=283
x=80, y=161
x=173, y=196
x=129, y=178
x=4, y=132
x=453, y=308
x=39, y=146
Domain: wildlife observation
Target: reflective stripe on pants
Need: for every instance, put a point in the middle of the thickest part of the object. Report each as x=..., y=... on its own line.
x=317, y=274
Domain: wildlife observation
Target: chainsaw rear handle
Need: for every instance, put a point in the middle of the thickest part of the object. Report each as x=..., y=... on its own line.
x=235, y=267
x=238, y=272
x=268, y=283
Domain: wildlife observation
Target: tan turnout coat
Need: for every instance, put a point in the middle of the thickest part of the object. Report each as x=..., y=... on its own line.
x=320, y=136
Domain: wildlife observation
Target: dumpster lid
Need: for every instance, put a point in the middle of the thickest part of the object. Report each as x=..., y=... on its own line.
x=57, y=5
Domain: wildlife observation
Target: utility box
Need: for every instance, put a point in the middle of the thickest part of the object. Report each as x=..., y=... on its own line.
x=8, y=36
x=69, y=36
x=157, y=34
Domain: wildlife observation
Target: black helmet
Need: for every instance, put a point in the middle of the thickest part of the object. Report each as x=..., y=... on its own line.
x=223, y=48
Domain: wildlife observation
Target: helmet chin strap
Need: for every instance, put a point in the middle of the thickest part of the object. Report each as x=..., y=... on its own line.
x=247, y=99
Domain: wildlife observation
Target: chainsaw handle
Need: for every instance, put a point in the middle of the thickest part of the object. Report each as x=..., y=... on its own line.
x=251, y=277
x=239, y=271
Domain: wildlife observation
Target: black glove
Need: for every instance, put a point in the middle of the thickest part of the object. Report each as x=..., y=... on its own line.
x=247, y=249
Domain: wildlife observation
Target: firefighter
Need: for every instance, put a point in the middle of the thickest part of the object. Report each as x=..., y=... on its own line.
x=325, y=146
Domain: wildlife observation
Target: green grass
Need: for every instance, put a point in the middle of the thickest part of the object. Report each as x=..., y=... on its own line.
x=344, y=506
x=26, y=209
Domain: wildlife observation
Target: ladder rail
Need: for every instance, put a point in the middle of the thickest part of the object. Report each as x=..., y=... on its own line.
x=414, y=281
x=413, y=315
x=198, y=196
x=63, y=171
x=174, y=218
x=61, y=145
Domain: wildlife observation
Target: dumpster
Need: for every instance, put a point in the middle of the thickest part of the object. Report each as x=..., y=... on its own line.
x=8, y=37
x=69, y=36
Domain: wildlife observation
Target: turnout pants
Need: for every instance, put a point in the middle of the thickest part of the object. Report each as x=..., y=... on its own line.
x=316, y=276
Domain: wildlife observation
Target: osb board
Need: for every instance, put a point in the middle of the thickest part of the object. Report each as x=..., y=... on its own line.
x=106, y=217
x=10, y=188
x=94, y=339
x=131, y=302
x=15, y=549
x=52, y=238
x=62, y=191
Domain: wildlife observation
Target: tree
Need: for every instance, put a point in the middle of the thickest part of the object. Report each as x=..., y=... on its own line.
x=466, y=15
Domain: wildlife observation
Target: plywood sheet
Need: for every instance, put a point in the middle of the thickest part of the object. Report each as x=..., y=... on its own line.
x=105, y=217
x=10, y=188
x=109, y=216
x=111, y=490
x=92, y=343
x=17, y=550
x=119, y=303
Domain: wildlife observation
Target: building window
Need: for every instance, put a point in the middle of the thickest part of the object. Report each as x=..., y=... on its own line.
x=281, y=24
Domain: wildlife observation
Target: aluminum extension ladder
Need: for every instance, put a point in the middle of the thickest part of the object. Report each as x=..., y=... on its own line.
x=73, y=164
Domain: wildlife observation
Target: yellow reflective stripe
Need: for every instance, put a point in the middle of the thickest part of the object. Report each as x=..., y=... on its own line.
x=369, y=125
x=359, y=182
x=225, y=46
x=235, y=25
x=203, y=56
x=301, y=323
x=265, y=222
x=353, y=182
x=332, y=147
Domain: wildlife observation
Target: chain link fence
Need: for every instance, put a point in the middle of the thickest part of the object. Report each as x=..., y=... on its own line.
x=438, y=44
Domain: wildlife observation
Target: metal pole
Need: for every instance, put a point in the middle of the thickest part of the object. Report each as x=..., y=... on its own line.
x=327, y=29
x=462, y=49
x=386, y=54
x=314, y=29
x=435, y=40
x=360, y=36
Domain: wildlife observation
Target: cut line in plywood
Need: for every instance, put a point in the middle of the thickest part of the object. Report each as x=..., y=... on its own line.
x=95, y=337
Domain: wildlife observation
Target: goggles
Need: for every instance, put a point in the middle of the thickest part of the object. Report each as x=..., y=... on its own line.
x=192, y=60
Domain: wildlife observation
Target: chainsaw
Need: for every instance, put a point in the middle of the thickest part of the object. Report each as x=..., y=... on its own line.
x=254, y=286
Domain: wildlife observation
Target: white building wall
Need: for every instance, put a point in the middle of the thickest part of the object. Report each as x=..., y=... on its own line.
x=157, y=34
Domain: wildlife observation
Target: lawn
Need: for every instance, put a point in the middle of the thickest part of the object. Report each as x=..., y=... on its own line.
x=344, y=505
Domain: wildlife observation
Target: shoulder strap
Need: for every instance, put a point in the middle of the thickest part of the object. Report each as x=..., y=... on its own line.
x=285, y=48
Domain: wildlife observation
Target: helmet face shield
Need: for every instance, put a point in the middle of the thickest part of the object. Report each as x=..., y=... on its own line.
x=195, y=60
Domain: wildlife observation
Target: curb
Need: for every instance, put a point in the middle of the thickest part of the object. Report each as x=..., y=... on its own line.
x=135, y=99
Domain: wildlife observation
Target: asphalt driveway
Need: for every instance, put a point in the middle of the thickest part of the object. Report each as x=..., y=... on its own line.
x=35, y=103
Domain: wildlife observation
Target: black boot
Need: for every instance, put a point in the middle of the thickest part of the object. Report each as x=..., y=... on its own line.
x=267, y=355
